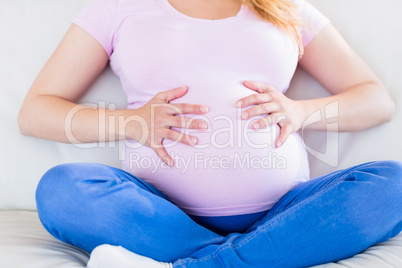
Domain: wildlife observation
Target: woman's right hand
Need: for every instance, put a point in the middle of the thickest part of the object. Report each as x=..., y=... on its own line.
x=158, y=116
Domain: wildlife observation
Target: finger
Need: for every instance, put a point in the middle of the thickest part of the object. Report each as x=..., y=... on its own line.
x=184, y=122
x=258, y=86
x=269, y=120
x=186, y=108
x=260, y=109
x=172, y=94
x=254, y=99
x=176, y=136
x=283, y=136
x=164, y=156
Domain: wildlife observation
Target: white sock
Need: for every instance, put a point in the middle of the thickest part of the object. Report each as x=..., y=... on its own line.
x=107, y=256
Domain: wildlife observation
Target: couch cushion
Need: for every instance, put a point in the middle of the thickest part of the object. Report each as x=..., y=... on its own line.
x=24, y=243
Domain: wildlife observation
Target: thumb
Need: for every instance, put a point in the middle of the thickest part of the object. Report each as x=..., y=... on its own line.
x=173, y=94
x=283, y=136
x=164, y=156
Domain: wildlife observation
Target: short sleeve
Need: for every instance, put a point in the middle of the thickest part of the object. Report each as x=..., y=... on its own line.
x=98, y=18
x=313, y=21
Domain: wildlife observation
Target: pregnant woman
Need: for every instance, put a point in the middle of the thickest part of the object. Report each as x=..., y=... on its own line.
x=214, y=172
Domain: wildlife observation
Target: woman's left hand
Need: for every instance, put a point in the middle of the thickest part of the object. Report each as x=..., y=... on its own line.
x=281, y=110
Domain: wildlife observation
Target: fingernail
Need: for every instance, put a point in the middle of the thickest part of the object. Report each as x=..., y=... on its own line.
x=244, y=115
x=256, y=125
x=193, y=140
x=239, y=103
x=279, y=144
x=204, y=109
x=203, y=125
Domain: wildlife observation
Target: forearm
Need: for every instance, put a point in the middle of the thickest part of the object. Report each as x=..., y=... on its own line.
x=56, y=119
x=358, y=108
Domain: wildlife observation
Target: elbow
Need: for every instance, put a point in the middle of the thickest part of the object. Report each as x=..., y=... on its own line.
x=389, y=109
x=24, y=122
x=392, y=111
x=22, y=126
x=386, y=106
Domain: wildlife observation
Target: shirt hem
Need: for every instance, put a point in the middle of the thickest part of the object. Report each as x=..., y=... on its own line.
x=227, y=211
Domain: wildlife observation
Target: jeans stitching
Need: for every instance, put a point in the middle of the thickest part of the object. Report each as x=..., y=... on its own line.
x=181, y=263
x=257, y=232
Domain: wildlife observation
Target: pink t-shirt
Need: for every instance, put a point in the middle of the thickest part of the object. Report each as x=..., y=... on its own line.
x=153, y=47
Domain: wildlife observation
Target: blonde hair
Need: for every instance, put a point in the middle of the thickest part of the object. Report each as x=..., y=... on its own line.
x=281, y=13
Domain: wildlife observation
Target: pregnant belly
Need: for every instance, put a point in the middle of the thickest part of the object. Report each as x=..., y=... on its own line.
x=232, y=170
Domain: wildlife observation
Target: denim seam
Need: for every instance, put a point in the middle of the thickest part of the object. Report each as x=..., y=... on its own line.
x=219, y=250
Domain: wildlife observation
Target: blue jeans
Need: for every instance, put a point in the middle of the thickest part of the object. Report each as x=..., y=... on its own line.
x=322, y=220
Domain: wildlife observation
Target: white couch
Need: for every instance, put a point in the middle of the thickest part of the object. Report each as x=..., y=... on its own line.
x=31, y=29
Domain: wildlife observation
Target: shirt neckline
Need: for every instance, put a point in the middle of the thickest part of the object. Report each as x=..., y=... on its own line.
x=174, y=12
